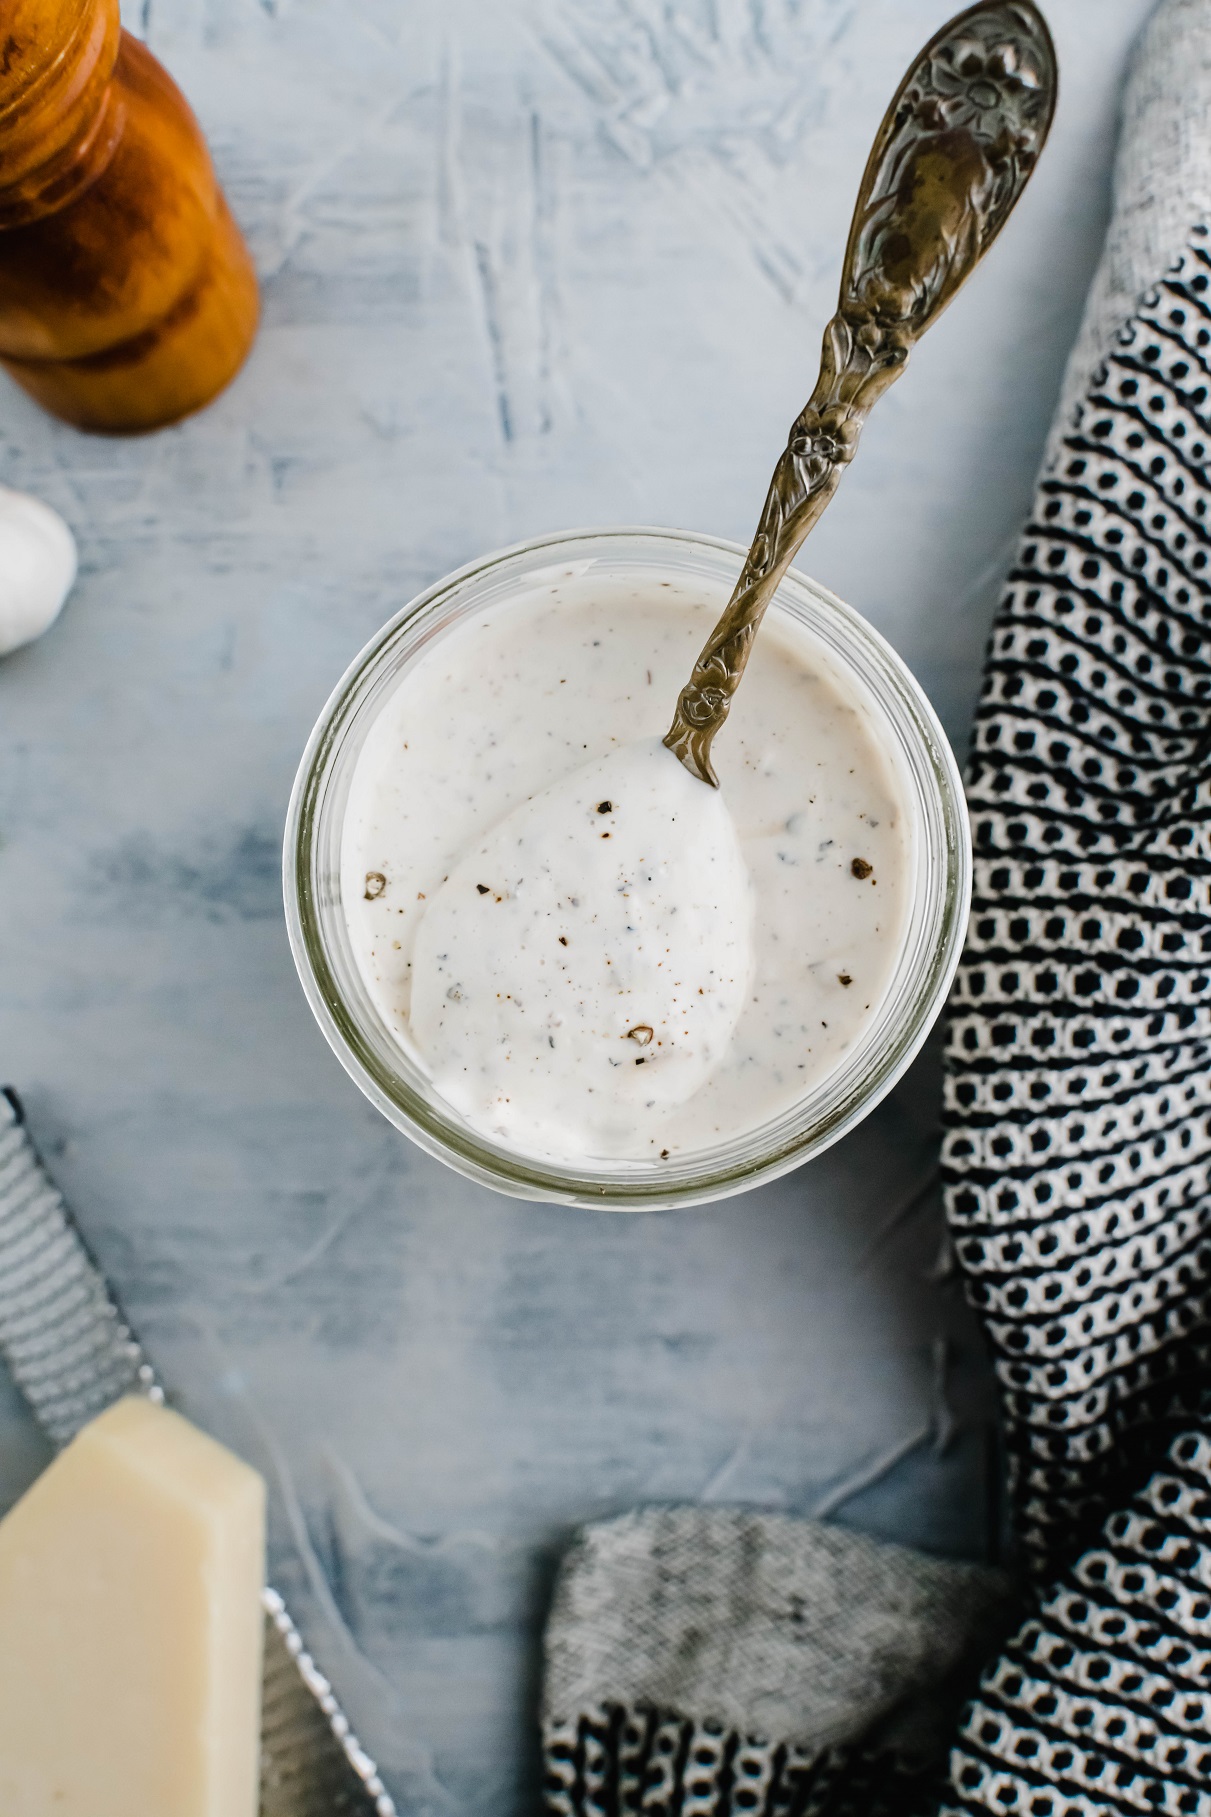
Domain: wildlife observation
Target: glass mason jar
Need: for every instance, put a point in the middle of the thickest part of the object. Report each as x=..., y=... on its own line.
x=393, y=1080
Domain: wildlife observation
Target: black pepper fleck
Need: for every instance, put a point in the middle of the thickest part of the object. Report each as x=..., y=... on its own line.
x=483, y=889
x=605, y=807
x=844, y=978
x=861, y=869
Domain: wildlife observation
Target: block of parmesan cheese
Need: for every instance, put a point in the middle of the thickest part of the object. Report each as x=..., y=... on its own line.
x=131, y=1626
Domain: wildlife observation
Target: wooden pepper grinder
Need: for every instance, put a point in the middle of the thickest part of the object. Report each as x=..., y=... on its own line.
x=127, y=296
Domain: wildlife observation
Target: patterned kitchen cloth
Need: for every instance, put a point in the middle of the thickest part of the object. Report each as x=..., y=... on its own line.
x=1077, y=1157
x=697, y=1656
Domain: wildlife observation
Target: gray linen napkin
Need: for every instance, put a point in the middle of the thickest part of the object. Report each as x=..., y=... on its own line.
x=797, y=1636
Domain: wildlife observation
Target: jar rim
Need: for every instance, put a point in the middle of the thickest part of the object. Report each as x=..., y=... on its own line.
x=369, y=1053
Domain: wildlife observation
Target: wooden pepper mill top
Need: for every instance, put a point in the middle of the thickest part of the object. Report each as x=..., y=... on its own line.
x=127, y=296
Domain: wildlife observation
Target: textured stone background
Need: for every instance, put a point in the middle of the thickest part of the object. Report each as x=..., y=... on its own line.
x=525, y=265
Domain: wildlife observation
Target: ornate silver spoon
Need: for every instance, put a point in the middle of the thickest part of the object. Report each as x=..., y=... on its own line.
x=561, y=987
x=952, y=156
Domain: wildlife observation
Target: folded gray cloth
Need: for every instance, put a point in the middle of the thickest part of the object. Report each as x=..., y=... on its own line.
x=1077, y=1161
x=765, y=1624
x=794, y=1635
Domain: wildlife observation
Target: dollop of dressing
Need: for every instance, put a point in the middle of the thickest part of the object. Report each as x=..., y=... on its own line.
x=589, y=957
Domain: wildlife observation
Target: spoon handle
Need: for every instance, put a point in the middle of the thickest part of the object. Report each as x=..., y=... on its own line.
x=950, y=160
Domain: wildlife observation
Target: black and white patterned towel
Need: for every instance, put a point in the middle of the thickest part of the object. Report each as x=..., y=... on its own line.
x=1077, y=1152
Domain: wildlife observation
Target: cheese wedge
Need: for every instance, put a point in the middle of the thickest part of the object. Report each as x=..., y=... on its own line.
x=131, y=1627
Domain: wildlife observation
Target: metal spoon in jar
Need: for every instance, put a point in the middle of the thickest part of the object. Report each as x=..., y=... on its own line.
x=953, y=154
x=557, y=1045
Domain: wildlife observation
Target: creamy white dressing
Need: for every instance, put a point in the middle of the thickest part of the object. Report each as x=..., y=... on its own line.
x=592, y=953
x=584, y=966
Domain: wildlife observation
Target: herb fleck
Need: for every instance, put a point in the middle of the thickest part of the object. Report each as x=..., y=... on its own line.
x=376, y=883
x=861, y=869
x=844, y=978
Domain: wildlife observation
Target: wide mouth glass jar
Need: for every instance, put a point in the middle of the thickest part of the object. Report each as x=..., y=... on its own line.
x=398, y=1085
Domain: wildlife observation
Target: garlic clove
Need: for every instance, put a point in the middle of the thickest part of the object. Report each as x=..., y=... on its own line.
x=37, y=567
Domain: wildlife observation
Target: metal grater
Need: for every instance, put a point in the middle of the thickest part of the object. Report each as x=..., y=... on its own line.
x=71, y=1354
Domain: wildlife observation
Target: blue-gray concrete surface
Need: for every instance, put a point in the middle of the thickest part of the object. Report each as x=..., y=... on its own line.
x=526, y=266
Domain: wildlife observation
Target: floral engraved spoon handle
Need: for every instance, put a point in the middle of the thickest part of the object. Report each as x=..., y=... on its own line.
x=950, y=160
